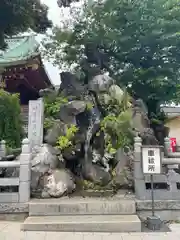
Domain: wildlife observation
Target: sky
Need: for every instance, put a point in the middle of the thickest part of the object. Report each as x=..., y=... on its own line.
x=57, y=14
x=54, y=15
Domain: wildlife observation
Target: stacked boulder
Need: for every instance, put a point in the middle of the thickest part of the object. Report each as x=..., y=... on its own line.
x=55, y=171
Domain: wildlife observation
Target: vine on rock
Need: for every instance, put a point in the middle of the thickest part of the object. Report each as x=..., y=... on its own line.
x=117, y=124
x=52, y=105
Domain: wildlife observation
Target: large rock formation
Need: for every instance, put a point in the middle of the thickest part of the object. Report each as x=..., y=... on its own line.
x=58, y=128
x=70, y=110
x=70, y=86
x=86, y=149
x=45, y=158
x=141, y=123
x=95, y=173
x=123, y=172
x=58, y=183
x=100, y=83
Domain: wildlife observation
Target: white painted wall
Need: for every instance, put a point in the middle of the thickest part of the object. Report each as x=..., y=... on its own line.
x=174, y=126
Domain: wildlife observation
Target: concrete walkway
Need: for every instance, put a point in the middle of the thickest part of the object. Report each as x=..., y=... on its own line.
x=11, y=231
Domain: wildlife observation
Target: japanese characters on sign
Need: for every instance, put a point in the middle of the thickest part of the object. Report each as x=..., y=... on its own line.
x=35, y=125
x=151, y=160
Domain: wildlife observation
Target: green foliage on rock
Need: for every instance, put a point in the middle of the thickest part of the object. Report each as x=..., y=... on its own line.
x=89, y=106
x=117, y=130
x=52, y=104
x=63, y=142
x=117, y=104
x=48, y=123
x=10, y=119
x=66, y=141
x=116, y=125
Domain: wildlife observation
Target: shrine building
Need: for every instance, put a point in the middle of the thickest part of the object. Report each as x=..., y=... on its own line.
x=22, y=70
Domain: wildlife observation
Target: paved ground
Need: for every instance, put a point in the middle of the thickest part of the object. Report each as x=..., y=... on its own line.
x=11, y=231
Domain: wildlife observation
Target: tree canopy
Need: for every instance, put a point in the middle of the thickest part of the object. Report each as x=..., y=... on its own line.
x=136, y=41
x=20, y=15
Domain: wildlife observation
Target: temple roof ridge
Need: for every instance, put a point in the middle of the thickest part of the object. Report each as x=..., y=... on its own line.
x=19, y=48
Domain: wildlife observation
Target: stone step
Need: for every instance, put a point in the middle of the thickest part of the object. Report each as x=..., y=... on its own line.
x=81, y=206
x=83, y=223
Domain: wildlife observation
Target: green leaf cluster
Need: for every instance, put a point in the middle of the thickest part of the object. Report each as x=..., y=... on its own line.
x=137, y=42
x=116, y=125
x=117, y=104
x=89, y=106
x=48, y=123
x=66, y=141
x=10, y=119
x=19, y=16
x=63, y=142
x=117, y=131
x=52, y=104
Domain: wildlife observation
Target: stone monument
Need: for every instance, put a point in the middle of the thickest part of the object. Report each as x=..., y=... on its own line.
x=35, y=124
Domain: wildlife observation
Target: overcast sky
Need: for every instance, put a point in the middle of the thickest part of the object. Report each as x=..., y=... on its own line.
x=54, y=15
x=58, y=16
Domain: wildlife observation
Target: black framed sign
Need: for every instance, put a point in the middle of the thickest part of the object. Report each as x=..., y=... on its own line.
x=151, y=159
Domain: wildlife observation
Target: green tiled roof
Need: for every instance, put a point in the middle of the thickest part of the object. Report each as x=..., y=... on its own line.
x=19, y=50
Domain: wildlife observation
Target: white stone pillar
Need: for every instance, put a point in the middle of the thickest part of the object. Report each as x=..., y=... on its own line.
x=25, y=172
x=2, y=149
x=167, y=146
x=139, y=183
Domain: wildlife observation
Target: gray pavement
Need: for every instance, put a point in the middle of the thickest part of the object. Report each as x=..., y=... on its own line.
x=11, y=231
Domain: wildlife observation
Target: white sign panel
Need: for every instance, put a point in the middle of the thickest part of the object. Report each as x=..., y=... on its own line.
x=35, y=124
x=151, y=160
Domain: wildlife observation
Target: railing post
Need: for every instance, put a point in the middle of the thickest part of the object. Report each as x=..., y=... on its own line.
x=2, y=148
x=167, y=146
x=25, y=172
x=139, y=183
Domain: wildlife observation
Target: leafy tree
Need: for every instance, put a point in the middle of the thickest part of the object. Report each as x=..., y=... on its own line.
x=136, y=41
x=10, y=119
x=20, y=15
